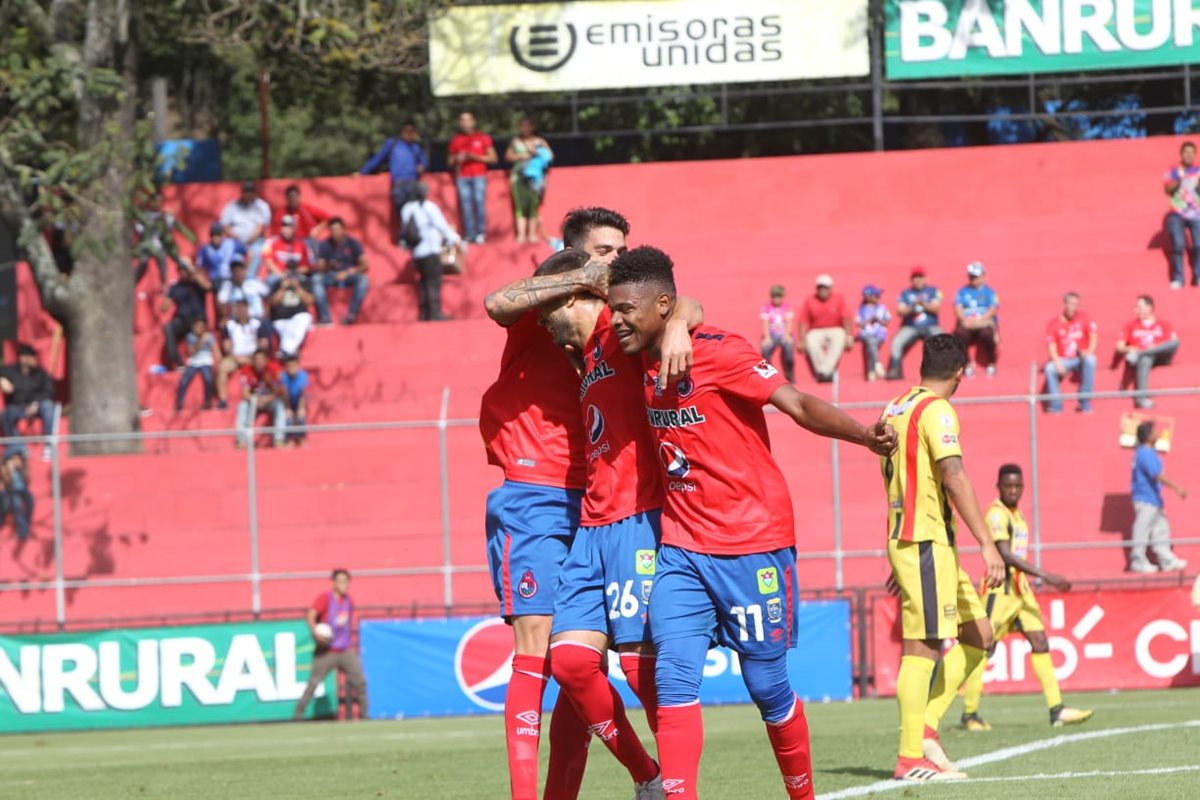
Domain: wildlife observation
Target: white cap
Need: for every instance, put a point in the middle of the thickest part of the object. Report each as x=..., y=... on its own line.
x=825, y=280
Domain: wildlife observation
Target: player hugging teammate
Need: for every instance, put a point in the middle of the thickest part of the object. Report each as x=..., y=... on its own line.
x=725, y=572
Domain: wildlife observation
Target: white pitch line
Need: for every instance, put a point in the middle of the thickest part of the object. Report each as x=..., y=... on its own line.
x=1007, y=753
x=1042, y=776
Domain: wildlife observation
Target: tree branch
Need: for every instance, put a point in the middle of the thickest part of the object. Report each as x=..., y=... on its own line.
x=54, y=292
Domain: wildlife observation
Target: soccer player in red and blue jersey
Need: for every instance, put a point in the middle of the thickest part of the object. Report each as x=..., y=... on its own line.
x=531, y=420
x=726, y=567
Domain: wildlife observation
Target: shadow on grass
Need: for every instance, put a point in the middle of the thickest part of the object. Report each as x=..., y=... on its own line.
x=859, y=772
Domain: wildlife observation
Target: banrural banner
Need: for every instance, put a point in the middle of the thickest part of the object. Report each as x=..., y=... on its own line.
x=950, y=38
x=251, y=672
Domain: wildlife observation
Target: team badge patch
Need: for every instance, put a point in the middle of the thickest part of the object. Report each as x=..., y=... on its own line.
x=950, y=611
x=528, y=587
x=765, y=369
x=597, y=351
x=647, y=588
x=644, y=561
x=775, y=610
x=685, y=386
x=768, y=580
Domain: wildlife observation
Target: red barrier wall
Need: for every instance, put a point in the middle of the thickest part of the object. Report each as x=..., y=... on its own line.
x=1044, y=218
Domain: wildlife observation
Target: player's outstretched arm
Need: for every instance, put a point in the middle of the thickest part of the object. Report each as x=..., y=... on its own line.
x=506, y=305
x=1014, y=560
x=966, y=503
x=825, y=419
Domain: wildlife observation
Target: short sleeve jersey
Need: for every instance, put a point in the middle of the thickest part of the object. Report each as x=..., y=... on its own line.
x=975, y=301
x=1185, y=201
x=927, y=432
x=283, y=255
x=1070, y=337
x=917, y=299
x=623, y=473
x=777, y=318
x=1008, y=525
x=1144, y=334
x=1147, y=467
x=725, y=495
x=529, y=417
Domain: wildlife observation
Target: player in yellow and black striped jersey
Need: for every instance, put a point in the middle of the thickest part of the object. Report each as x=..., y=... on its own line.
x=925, y=482
x=1013, y=606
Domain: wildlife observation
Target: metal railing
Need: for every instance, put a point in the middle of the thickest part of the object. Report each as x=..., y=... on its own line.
x=255, y=577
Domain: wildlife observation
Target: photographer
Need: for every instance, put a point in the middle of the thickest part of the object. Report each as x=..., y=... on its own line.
x=289, y=303
x=917, y=307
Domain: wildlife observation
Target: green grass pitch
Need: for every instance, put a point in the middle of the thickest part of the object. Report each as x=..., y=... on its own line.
x=853, y=744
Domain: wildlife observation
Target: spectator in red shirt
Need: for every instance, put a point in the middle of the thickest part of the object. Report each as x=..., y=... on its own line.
x=333, y=645
x=261, y=394
x=1071, y=343
x=1146, y=342
x=825, y=329
x=311, y=221
x=471, y=151
x=287, y=252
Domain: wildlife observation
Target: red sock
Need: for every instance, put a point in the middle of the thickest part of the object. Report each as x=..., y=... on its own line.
x=569, y=740
x=639, y=671
x=680, y=741
x=577, y=668
x=523, y=722
x=789, y=740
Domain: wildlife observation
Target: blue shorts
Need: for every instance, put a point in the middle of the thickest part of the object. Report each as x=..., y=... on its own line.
x=746, y=603
x=529, y=531
x=607, y=579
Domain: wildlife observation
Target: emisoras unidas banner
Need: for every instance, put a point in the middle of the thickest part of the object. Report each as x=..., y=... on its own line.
x=141, y=677
x=950, y=38
x=611, y=44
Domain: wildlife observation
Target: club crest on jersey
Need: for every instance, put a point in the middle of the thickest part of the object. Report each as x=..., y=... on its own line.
x=685, y=387
x=528, y=587
x=768, y=580
x=595, y=424
x=644, y=562
x=594, y=375
x=597, y=351
x=775, y=610
x=765, y=369
x=674, y=417
x=674, y=460
x=647, y=587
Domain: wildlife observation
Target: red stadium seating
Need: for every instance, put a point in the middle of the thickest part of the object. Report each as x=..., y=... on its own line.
x=1044, y=218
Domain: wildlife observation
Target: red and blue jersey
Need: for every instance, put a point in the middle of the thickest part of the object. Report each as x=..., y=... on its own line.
x=725, y=495
x=623, y=474
x=338, y=613
x=530, y=415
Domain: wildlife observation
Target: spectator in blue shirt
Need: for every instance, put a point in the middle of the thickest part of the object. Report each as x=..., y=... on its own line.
x=872, y=320
x=215, y=259
x=975, y=306
x=341, y=264
x=295, y=397
x=1150, y=527
x=405, y=161
x=917, y=307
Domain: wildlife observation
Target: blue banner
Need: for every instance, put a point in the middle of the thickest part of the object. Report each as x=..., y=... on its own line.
x=418, y=668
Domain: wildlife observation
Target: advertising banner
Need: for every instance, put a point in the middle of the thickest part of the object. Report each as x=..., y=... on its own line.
x=252, y=672
x=1120, y=639
x=949, y=38
x=462, y=666
x=545, y=47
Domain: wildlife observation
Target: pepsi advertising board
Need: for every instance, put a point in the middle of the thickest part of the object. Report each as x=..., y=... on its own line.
x=419, y=668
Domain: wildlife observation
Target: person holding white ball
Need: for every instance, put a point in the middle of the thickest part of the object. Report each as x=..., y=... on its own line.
x=330, y=620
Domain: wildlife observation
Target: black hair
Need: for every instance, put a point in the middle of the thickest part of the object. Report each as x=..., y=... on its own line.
x=579, y=222
x=944, y=355
x=1009, y=469
x=644, y=264
x=419, y=192
x=1145, y=432
x=26, y=350
x=562, y=261
x=262, y=351
x=339, y=571
x=337, y=221
x=1147, y=299
x=408, y=123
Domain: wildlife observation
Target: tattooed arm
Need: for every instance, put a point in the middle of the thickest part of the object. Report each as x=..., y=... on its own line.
x=506, y=305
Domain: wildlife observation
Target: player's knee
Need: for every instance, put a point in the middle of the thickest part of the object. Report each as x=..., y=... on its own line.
x=677, y=676
x=767, y=682
x=1038, y=642
x=574, y=665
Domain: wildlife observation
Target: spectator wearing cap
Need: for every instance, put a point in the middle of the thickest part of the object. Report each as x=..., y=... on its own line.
x=216, y=257
x=28, y=393
x=917, y=307
x=241, y=337
x=1071, y=344
x=406, y=163
x=189, y=297
x=779, y=322
x=242, y=287
x=247, y=219
x=1146, y=342
x=976, y=306
x=310, y=221
x=825, y=328
x=872, y=320
x=1182, y=185
x=286, y=252
x=341, y=264
x=15, y=497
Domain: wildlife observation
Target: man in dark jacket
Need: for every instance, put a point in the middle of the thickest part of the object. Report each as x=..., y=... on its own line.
x=28, y=392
